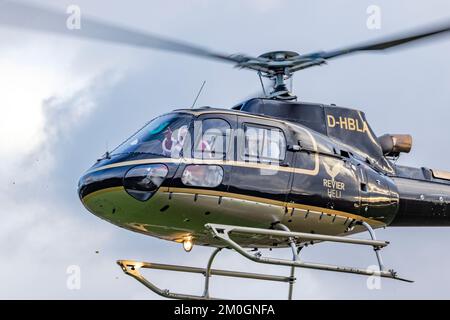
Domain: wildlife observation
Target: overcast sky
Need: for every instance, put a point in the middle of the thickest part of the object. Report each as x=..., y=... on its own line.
x=65, y=102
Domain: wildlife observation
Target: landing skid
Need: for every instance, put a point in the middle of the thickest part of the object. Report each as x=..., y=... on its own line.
x=223, y=232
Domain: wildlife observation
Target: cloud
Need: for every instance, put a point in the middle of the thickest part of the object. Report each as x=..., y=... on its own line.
x=44, y=97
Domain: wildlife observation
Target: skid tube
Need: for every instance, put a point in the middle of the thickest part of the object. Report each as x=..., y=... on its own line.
x=131, y=268
x=223, y=232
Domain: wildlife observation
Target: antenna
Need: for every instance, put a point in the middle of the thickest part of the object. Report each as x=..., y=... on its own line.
x=107, y=153
x=262, y=84
x=198, y=94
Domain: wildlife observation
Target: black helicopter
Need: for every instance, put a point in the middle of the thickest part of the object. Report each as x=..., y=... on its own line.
x=271, y=172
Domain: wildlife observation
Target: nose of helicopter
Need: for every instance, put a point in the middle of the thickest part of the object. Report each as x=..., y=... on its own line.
x=105, y=190
x=98, y=190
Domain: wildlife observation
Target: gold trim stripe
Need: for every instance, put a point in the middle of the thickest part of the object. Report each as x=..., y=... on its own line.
x=100, y=192
x=289, y=205
x=244, y=164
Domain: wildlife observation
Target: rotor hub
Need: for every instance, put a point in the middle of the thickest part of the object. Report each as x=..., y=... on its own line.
x=279, y=55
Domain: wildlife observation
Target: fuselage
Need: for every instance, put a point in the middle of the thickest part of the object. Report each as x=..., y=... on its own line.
x=193, y=167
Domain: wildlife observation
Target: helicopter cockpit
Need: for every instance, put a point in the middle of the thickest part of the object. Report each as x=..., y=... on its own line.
x=162, y=136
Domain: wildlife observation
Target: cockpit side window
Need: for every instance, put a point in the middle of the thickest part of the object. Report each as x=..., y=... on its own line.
x=264, y=144
x=164, y=136
x=213, y=139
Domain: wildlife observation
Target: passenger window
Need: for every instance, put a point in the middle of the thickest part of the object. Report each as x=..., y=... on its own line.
x=263, y=144
x=214, y=139
x=209, y=176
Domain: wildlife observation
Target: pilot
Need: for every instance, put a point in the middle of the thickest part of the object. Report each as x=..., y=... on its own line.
x=174, y=141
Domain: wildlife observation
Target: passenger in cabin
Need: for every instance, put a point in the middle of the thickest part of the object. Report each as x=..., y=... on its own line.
x=173, y=141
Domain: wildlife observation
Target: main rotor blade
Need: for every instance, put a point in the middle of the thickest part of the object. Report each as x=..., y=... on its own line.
x=385, y=43
x=26, y=16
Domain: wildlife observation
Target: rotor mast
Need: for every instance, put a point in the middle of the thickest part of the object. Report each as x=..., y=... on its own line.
x=280, y=73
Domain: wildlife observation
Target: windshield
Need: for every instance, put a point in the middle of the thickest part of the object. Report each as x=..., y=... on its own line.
x=162, y=136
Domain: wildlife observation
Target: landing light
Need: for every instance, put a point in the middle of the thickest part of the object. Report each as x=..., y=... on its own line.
x=188, y=245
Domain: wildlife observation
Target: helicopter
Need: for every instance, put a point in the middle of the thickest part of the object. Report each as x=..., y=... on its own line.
x=271, y=172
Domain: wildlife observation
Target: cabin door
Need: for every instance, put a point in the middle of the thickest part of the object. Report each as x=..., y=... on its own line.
x=262, y=171
x=207, y=165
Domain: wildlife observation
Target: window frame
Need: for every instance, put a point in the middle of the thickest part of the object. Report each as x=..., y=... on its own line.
x=246, y=157
x=196, y=139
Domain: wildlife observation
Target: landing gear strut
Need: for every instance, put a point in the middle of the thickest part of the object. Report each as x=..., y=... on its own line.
x=223, y=232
